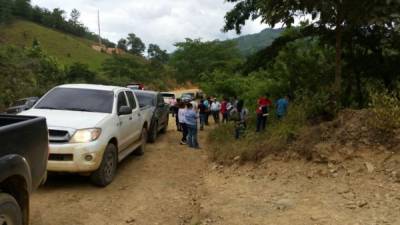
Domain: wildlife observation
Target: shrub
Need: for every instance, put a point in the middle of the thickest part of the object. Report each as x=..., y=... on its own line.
x=254, y=146
x=386, y=111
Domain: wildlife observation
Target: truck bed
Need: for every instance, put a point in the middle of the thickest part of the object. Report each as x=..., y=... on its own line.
x=26, y=137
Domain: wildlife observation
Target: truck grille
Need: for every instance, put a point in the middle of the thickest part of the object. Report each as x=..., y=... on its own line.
x=58, y=136
x=61, y=157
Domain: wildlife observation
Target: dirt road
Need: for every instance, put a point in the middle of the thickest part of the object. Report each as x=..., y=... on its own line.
x=156, y=188
x=172, y=185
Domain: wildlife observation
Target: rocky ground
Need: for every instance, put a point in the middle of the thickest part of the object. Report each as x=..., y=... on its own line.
x=358, y=184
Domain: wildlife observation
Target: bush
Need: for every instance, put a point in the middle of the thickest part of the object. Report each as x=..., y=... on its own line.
x=254, y=146
x=386, y=111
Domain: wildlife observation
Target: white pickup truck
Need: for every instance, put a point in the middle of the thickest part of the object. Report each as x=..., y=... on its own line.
x=91, y=129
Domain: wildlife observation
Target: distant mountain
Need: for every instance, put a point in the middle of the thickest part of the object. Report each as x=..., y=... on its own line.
x=252, y=43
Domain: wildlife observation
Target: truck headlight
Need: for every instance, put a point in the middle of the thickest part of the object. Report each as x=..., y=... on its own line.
x=86, y=135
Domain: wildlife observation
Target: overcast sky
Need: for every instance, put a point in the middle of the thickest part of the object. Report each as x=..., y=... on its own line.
x=163, y=22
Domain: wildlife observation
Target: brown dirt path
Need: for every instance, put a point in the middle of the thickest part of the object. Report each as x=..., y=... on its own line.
x=157, y=188
x=172, y=185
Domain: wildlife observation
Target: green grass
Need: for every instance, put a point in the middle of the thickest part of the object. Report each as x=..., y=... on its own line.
x=252, y=146
x=66, y=48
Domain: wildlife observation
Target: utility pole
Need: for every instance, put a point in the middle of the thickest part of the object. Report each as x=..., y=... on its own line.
x=98, y=21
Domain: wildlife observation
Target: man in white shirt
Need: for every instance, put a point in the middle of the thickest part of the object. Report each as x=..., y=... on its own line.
x=215, y=110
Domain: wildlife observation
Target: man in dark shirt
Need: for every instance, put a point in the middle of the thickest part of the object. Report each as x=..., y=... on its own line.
x=203, y=114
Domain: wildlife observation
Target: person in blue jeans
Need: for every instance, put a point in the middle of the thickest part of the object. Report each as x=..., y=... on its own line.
x=191, y=122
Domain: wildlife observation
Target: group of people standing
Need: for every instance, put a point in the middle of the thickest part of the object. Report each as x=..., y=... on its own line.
x=263, y=108
x=188, y=113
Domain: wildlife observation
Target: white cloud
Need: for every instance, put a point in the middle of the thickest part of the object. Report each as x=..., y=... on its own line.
x=163, y=22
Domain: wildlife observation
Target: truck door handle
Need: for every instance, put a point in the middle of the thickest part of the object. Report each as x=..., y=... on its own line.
x=130, y=118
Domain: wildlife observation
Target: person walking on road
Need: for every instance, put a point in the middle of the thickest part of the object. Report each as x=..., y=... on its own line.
x=207, y=103
x=191, y=122
x=239, y=116
x=224, y=110
x=215, y=109
x=282, y=107
x=175, y=111
x=202, y=114
x=182, y=122
x=263, y=105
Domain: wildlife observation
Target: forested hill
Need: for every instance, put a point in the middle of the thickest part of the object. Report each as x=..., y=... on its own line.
x=250, y=44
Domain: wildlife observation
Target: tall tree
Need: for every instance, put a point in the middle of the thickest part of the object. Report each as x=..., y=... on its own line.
x=5, y=11
x=193, y=58
x=335, y=15
x=22, y=8
x=74, y=16
x=122, y=44
x=155, y=53
x=136, y=45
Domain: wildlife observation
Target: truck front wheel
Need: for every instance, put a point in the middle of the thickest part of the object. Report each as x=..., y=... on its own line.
x=153, y=133
x=108, y=167
x=10, y=211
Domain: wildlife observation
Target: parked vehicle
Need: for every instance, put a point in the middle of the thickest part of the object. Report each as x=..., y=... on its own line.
x=22, y=105
x=23, y=160
x=91, y=129
x=160, y=111
x=190, y=96
x=136, y=86
x=199, y=94
x=170, y=99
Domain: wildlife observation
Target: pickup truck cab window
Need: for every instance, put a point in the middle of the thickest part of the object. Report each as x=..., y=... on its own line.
x=121, y=101
x=160, y=100
x=131, y=99
x=146, y=99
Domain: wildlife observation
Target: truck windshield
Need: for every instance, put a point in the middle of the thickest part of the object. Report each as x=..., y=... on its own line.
x=168, y=95
x=145, y=99
x=75, y=99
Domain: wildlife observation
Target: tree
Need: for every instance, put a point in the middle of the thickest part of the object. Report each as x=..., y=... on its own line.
x=22, y=8
x=336, y=15
x=156, y=54
x=58, y=19
x=122, y=44
x=5, y=11
x=79, y=72
x=137, y=47
x=74, y=16
x=194, y=57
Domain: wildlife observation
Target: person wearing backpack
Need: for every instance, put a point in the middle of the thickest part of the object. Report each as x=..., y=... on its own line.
x=239, y=116
x=262, y=111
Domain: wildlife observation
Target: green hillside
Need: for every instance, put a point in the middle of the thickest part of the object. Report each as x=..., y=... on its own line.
x=250, y=44
x=68, y=49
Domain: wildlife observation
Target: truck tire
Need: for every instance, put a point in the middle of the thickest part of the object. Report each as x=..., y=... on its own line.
x=153, y=133
x=165, y=128
x=108, y=167
x=141, y=149
x=10, y=211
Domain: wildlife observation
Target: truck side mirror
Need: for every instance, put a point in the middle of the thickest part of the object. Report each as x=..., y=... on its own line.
x=124, y=110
